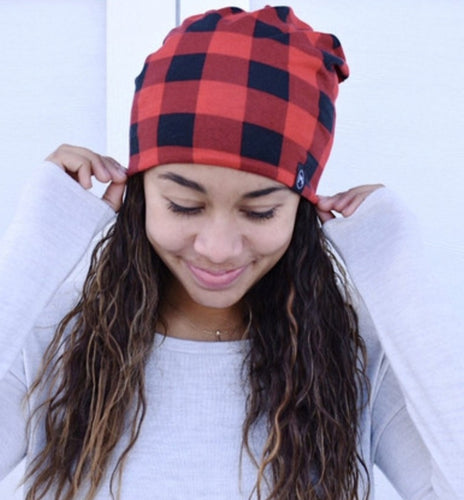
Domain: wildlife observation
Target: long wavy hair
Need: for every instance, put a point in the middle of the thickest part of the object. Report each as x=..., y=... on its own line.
x=305, y=366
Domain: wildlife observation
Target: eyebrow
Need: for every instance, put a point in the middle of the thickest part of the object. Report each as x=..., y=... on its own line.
x=182, y=181
x=263, y=192
x=188, y=183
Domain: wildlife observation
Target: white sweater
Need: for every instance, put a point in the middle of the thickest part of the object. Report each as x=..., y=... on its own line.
x=189, y=447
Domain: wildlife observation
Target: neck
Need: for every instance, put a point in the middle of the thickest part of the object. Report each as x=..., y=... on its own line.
x=192, y=321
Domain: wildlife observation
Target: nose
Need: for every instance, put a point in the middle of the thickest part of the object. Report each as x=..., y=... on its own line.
x=219, y=240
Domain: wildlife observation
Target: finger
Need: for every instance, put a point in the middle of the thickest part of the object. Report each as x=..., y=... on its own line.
x=348, y=201
x=117, y=171
x=324, y=203
x=69, y=157
x=100, y=168
x=71, y=163
x=360, y=194
x=114, y=194
x=97, y=164
x=325, y=216
x=73, y=158
x=355, y=203
x=336, y=202
x=84, y=175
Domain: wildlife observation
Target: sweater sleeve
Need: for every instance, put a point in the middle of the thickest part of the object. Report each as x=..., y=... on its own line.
x=51, y=231
x=382, y=250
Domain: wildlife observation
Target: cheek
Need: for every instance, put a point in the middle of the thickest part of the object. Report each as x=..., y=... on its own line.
x=273, y=241
x=269, y=245
x=163, y=236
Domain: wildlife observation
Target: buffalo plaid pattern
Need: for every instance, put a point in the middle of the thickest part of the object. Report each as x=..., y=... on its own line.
x=253, y=91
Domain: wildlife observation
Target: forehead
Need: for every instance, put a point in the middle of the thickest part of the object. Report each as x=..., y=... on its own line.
x=212, y=177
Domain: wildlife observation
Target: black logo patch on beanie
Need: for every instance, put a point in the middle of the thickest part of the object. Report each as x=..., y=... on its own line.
x=304, y=173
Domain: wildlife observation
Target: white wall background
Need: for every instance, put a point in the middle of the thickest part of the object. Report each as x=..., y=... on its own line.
x=52, y=86
x=67, y=71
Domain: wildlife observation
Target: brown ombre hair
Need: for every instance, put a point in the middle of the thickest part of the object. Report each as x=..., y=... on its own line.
x=305, y=366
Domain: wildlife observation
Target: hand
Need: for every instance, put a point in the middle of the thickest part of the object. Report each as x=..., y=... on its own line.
x=81, y=164
x=345, y=203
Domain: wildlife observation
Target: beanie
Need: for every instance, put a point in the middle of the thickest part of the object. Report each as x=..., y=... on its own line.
x=253, y=91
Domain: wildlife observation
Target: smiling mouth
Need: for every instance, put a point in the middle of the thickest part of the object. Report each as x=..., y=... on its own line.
x=215, y=279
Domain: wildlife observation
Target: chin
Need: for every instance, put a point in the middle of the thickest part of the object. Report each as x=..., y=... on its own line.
x=216, y=299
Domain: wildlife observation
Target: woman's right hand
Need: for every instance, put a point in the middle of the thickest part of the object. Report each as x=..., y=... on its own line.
x=82, y=163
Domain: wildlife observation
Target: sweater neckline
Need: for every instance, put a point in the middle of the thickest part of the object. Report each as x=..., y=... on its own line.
x=165, y=342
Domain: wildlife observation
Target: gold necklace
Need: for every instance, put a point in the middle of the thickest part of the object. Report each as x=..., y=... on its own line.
x=217, y=332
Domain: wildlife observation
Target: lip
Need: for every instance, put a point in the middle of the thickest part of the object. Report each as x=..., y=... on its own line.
x=215, y=280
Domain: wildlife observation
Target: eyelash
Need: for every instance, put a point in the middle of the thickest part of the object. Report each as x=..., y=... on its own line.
x=180, y=210
x=189, y=211
x=260, y=216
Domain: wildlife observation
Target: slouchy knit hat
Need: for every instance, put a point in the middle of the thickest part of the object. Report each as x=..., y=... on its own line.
x=253, y=91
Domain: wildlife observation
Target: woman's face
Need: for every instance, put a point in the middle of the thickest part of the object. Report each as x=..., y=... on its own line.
x=218, y=230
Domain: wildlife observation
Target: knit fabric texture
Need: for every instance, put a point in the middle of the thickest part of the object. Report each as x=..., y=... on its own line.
x=253, y=91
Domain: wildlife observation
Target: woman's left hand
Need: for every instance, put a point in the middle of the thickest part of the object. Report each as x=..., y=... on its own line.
x=344, y=203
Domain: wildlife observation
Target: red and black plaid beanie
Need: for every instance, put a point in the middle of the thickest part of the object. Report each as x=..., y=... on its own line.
x=253, y=91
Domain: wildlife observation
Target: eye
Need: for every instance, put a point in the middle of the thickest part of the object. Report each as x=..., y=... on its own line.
x=181, y=210
x=260, y=216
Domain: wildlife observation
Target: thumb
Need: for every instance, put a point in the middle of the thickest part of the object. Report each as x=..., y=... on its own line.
x=324, y=207
x=325, y=215
x=113, y=195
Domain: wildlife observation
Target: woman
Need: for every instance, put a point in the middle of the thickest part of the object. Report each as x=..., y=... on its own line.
x=216, y=349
